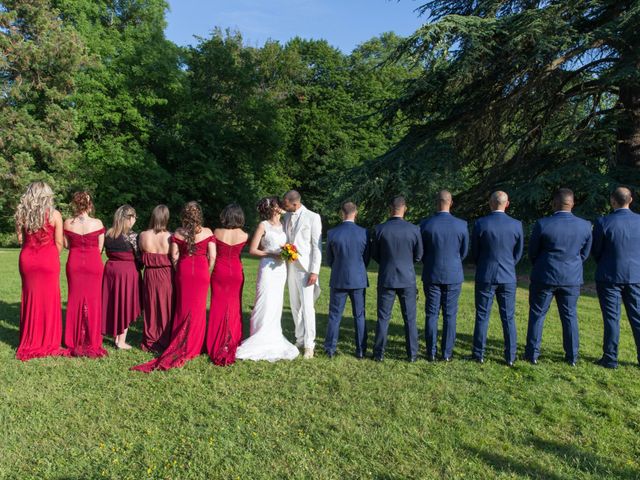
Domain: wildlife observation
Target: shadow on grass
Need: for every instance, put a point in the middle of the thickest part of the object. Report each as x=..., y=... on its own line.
x=9, y=323
x=566, y=454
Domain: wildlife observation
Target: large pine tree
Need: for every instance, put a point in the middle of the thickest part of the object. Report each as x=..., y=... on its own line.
x=522, y=95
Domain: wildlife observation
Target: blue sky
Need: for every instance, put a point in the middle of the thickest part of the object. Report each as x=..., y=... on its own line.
x=344, y=23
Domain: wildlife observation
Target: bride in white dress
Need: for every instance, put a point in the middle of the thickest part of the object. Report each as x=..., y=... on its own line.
x=266, y=341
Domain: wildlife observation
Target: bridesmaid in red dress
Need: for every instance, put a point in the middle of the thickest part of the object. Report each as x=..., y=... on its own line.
x=39, y=230
x=193, y=254
x=121, y=280
x=84, y=237
x=157, y=287
x=225, y=315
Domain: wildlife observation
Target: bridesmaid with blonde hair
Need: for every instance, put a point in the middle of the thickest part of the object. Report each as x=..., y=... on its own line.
x=157, y=287
x=39, y=231
x=121, y=281
x=84, y=237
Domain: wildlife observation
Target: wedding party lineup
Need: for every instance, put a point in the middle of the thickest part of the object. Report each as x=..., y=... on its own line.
x=166, y=278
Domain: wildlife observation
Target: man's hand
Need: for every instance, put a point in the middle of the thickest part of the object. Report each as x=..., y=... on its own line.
x=313, y=278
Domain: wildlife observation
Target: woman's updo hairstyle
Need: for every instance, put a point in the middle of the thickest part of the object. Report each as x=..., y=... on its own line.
x=267, y=207
x=81, y=203
x=191, y=217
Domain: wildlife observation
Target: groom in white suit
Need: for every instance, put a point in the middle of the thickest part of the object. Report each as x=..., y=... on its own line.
x=304, y=229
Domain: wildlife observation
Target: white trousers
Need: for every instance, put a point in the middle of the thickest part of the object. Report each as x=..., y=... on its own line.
x=302, y=299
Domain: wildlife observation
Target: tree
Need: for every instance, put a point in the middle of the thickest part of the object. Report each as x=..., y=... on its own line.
x=522, y=95
x=39, y=61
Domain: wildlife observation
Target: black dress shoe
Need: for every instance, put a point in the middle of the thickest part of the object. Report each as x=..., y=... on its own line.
x=571, y=363
x=532, y=361
x=603, y=363
x=431, y=358
x=510, y=363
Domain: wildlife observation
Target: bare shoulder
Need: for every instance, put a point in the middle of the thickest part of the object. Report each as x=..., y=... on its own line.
x=56, y=216
x=207, y=231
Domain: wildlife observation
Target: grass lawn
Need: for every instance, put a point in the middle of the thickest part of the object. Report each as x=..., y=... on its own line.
x=79, y=418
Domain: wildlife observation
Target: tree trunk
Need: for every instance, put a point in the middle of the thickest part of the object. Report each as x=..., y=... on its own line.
x=628, y=151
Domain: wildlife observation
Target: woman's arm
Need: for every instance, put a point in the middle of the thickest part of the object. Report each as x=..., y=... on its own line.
x=58, y=235
x=174, y=253
x=212, y=252
x=19, y=234
x=254, y=246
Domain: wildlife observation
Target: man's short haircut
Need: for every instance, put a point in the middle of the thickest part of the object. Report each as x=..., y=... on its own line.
x=622, y=196
x=397, y=203
x=499, y=198
x=348, y=208
x=292, y=196
x=444, y=196
x=563, y=196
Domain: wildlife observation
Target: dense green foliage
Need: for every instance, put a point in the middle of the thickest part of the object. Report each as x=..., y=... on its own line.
x=525, y=96
x=82, y=418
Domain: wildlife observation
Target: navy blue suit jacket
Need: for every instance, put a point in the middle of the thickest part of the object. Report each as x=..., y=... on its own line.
x=445, y=239
x=497, y=243
x=396, y=245
x=347, y=254
x=558, y=246
x=616, y=247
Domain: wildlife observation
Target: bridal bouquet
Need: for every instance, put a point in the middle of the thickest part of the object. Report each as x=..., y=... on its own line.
x=289, y=252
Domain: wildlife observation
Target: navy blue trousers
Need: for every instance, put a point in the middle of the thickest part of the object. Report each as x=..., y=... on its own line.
x=386, y=298
x=540, y=297
x=445, y=297
x=505, y=294
x=337, y=301
x=611, y=295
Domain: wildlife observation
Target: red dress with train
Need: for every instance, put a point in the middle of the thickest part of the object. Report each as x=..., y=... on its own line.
x=157, y=300
x=190, y=317
x=225, y=315
x=40, y=308
x=82, y=333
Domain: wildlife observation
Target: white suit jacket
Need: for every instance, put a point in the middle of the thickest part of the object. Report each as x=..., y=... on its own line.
x=305, y=232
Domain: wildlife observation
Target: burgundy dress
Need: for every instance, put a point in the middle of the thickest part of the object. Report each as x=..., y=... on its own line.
x=40, y=309
x=225, y=315
x=157, y=299
x=120, y=285
x=190, y=317
x=84, y=305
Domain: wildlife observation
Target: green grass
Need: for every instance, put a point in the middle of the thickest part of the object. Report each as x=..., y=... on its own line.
x=80, y=418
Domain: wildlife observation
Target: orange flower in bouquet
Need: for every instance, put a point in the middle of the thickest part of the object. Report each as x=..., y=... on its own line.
x=289, y=252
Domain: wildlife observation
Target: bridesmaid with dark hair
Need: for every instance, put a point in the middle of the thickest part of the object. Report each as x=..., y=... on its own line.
x=121, y=281
x=225, y=315
x=39, y=231
x=157, y=287
x=84, y=237
x=193, y=254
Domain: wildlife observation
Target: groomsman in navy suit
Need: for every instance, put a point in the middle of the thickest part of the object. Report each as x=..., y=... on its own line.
x=497, y=243
x=348, y=256
x=396, y=246
x=558, y=247
x=445, y=239
x=616, y=248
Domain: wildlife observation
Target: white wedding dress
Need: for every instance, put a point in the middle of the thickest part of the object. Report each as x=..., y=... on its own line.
x=266, y=341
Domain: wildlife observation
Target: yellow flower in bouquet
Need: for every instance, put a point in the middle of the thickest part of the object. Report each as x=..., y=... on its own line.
x=289, y=252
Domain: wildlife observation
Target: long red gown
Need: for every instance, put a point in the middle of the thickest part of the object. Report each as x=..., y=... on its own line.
x=120, y=285
x=84, y=305
x=157, y=300
x=40, y=308
x=224, y=332
x=190, y=317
